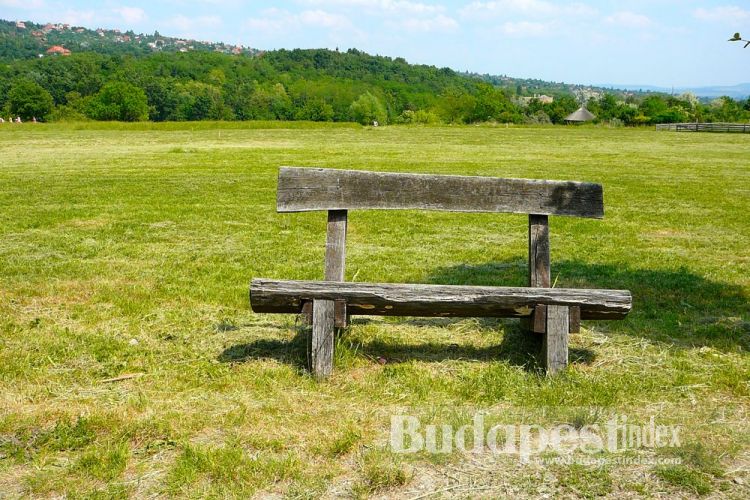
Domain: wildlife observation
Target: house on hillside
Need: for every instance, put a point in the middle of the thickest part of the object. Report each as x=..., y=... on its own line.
x=544, y=99
x=58, y=50
x=20, y=25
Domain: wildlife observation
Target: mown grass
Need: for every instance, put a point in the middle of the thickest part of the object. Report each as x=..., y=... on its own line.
x=127, y=250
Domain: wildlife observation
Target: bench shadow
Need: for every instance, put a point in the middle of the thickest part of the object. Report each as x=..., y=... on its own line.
x=674, y=306
x=292, y=352
x=516, y=347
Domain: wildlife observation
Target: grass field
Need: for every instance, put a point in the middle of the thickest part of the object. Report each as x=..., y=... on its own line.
x=126, y=251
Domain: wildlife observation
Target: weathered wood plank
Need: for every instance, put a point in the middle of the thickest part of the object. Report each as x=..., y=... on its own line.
x=306, y=312
x=340, y=317
x=335, y=262
x=539, y=267
x=336, y=245
x=539, y=255
x=556, y=339
x=305, y=189
x=274, y=296
x=321, y=350
x=538, y=321
x=575, y=319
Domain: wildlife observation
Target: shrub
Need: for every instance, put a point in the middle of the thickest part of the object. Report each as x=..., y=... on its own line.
x=119, y=101
x=28, y=99
x=367, y=109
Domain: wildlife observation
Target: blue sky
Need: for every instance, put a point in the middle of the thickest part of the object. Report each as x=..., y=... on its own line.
x=659, y=42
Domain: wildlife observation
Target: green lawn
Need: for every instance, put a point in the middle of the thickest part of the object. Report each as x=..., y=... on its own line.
x=127, y=250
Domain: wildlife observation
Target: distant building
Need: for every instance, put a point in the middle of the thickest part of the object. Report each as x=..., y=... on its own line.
x=544, y=99
x=20, y=25
x=58, y=50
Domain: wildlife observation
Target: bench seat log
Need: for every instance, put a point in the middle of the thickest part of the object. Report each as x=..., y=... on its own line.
x=389, y=299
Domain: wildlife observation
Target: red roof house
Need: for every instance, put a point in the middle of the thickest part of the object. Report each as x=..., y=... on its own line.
x=59, y=50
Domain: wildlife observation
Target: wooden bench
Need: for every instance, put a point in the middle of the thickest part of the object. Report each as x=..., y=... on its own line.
x=553, y=312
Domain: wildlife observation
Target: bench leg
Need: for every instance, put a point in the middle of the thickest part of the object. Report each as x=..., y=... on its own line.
x=556, y=338
x=539, y=268
x=321, y=350
x=306, y=312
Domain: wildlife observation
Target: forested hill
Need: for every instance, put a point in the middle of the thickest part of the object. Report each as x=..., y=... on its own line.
x=105, y=78
x=315, y=84
x=28, y=40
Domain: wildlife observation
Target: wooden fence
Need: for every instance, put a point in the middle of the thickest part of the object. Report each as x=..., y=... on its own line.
x=705, y=127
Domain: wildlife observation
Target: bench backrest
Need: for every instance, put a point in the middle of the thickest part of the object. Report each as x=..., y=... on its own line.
x=307, y=189
x=338, y=191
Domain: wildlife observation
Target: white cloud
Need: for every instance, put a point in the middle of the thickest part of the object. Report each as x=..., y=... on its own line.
x=384, y=6
x=77, y=17
x=530, y=8
x=23, y=4
x=439, y=23
x=131, y=15
x=275, y=20
x=189, y=25
x=323, y=19
x=727, y=14
x=526, y=29
x=629, y=19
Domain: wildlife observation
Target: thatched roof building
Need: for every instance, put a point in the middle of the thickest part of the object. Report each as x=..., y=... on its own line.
x=580, y=115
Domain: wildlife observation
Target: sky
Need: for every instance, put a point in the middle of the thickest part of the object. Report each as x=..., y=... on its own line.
x=658, y=42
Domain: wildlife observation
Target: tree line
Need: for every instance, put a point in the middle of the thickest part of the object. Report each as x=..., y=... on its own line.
x=316, y=85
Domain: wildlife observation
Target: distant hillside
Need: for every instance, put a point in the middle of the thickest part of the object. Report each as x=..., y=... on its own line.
x=60, y=72
x=739, y=91
x=27, y=40
x=534, y=86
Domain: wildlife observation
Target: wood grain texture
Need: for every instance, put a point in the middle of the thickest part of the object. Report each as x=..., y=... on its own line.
x=306, y=312
x=305, y=189
x=539, y=254
x=387, y=299
x=340, y=317
x=335, y=260
x=539, y=268
x=556, y=339
x=574, y=322
x=336, y=245
x=321, y=350
x=538, y=322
